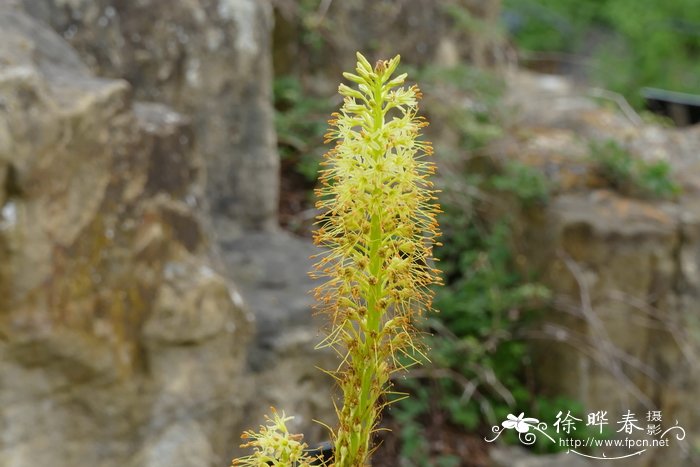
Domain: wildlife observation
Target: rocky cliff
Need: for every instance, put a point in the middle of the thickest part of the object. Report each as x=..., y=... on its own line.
x=110, y=305
x=211, y=60
x=208, y=59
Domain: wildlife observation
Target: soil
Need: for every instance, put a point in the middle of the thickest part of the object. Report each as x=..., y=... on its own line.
x=296, y=207
x=443, y=439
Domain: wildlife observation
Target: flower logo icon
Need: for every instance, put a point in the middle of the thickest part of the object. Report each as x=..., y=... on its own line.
x=520, y=423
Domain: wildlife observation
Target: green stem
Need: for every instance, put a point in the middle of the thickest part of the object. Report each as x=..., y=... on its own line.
x=370, y=389
x=364, y=360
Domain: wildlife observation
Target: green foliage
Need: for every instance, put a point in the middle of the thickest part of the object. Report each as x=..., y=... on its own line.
x=311, y=25
x=483, y=85
x=481, y=311
x=464, y=99
x=551, y=24
x=479, y=359
x=547, y=410
x=408, y=414
x=527, y=183
x=663, y=39
x=648, y=43
x=468, y=22
x=300, y=120
x=631, y=175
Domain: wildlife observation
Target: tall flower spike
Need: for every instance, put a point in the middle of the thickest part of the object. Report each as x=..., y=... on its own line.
x=377, y=227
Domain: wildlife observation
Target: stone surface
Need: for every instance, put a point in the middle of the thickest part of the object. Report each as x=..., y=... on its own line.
x=271, y=271
x=118, y=338
x=623, y=331
x=209, y=59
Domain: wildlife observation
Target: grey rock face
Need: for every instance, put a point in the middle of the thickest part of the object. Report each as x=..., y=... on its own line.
x=209, y=59
x=118, y=339
x=271, y=270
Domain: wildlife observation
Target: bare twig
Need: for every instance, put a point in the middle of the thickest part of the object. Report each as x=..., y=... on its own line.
x=621, y=102
x=601, y=346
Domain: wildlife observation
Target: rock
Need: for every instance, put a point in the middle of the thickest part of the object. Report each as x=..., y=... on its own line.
x=209, y=59
x=622, y=334
x=180, y=445
x=118, y=337
x=271, y=271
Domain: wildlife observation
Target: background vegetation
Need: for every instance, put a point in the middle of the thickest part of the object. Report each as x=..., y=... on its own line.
x=623, y=45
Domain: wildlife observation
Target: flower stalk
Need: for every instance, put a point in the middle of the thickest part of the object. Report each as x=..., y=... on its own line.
x=378, y=227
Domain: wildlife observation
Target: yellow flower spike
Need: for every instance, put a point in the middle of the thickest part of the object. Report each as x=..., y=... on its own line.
x=378, y=223
x=274, y=445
